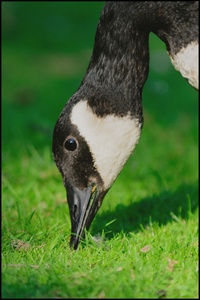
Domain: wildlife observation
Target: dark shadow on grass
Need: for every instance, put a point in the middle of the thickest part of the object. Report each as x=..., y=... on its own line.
x=33, y=288
x=155, y=209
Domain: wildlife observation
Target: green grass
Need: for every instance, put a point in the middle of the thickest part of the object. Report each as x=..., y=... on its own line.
x=147, y=226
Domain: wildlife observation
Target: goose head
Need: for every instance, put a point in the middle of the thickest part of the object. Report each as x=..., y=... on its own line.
x=88, y=152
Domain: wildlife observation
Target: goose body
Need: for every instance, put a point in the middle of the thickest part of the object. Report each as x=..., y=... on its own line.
x=100, y=125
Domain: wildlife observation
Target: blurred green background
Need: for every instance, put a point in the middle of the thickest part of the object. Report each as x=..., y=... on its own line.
x=45, y=50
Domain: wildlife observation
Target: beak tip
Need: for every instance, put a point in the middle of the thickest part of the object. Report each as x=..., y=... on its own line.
x=74, y=242
x=83, y=205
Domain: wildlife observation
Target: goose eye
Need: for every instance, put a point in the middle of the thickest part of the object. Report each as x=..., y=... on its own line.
x=70, y=144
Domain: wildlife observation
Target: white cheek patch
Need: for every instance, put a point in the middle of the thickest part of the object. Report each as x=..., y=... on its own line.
x=187, y=63
x=111, y=139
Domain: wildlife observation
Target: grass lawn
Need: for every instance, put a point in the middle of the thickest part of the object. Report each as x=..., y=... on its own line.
x=147, y=227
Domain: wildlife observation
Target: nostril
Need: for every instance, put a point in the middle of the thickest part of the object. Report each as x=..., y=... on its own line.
x=75, y=212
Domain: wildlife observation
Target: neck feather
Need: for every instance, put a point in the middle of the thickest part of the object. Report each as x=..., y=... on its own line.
x=120, y=61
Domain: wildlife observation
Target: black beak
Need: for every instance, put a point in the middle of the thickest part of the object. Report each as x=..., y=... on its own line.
x=83, y=206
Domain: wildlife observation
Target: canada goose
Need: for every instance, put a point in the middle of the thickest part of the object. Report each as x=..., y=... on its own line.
x=101, y=123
